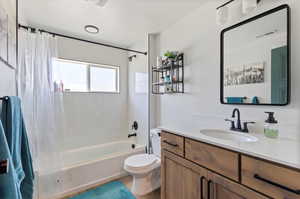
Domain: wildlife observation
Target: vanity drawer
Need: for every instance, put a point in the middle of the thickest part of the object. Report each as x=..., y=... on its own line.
x=270, y=179
x=172, y=143
x=219, y=160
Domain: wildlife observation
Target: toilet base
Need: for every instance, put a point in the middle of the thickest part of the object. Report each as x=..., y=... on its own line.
x=145, y=183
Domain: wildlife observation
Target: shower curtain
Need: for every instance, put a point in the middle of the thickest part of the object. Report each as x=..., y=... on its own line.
x=43, y=109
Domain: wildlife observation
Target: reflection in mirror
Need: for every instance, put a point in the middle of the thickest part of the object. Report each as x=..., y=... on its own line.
x=255, y=61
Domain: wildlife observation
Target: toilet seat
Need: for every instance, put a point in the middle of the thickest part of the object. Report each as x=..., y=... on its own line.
x=142, y=163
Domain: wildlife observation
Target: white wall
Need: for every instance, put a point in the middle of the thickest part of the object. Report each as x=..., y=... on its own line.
x=198, y=36
x=95, y=118
x=7, y=75
x=7, y=81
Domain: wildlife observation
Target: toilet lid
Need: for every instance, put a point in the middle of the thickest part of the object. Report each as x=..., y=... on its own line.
x=141, y=161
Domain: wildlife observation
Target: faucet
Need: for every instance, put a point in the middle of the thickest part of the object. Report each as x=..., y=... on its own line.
x=135, y=127
x=238, y=126
x=238, y=122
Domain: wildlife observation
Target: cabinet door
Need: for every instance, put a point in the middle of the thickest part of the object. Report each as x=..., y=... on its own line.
x=181, y=179
x=222, y=188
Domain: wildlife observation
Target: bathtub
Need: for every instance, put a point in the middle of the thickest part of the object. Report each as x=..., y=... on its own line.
x=88, y=166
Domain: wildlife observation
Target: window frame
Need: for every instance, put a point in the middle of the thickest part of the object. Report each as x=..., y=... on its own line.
x=88, y=74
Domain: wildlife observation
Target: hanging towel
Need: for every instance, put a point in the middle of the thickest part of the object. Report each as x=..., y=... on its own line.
x=8, y=182
x=255, y=100
x=16, y=135
x=235, y=100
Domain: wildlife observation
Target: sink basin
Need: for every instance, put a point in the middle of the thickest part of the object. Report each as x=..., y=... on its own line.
x=229, y=135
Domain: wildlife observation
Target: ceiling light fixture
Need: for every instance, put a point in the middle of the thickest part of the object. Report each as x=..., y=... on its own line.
x=100, y=3
x=223, y=10
x=91, y=29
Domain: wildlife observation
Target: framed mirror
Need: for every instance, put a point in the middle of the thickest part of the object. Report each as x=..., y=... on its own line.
x=255, y=60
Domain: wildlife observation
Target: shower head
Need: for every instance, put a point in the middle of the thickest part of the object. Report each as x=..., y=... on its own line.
x=131, y=58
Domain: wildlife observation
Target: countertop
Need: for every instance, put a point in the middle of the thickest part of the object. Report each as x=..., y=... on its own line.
x=282, y=150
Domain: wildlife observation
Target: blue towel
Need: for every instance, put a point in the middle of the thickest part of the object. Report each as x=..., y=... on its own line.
x=255, y=100
x=235, y=100
x=113, y=190
x=16, y=135
x=8, y=182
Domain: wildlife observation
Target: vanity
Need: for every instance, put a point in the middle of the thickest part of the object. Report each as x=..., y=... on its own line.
x=195, y=166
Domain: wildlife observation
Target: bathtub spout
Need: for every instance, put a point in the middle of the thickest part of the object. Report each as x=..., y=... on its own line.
x=132, y=135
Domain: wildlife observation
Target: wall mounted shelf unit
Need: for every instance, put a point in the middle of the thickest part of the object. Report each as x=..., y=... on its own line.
x=169, y=78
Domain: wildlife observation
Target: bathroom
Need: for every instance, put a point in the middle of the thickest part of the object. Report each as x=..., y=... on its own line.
x=97, y=139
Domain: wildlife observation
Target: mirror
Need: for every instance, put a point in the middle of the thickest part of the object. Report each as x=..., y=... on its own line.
x=255, y=60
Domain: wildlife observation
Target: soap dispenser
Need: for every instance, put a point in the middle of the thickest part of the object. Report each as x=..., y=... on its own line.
x=271, y=126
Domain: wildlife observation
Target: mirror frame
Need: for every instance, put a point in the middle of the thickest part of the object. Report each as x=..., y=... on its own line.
x=282, y=7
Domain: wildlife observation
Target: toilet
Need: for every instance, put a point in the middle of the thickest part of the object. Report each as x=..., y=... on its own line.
x=145, y=168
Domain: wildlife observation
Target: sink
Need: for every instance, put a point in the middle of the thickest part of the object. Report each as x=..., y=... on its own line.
x=229, y=135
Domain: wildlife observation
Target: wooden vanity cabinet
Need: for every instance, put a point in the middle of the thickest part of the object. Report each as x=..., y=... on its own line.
x=172, y=143
x=182, y=179
x=273, y=180
x=223, y=188
x=219, y=160
x=196, y=170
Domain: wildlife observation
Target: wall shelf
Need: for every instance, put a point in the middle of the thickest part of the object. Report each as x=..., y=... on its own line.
x=169, y=78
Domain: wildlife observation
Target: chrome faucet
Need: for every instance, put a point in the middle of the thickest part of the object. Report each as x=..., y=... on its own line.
x=238, y=126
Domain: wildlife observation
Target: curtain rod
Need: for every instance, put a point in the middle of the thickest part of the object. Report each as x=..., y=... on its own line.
x=78, y=39
x=228, y=2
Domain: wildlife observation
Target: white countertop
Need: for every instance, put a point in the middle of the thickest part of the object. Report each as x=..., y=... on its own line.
x=281, y=150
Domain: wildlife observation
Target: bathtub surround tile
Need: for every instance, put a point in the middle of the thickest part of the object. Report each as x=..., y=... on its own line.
x=112, y=190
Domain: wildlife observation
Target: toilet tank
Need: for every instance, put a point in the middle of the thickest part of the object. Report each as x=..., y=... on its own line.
x=155, y=141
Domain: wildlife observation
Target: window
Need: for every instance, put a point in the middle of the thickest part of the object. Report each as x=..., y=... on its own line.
x=85, y=77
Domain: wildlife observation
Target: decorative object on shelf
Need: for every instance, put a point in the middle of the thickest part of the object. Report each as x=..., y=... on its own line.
x=224, y=11
x=159, y=62
x=169, y=76
x=8, y=33
x=167, y=79
x=171, y=55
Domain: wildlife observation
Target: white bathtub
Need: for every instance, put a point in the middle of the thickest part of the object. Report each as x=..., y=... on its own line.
x=88, y=166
